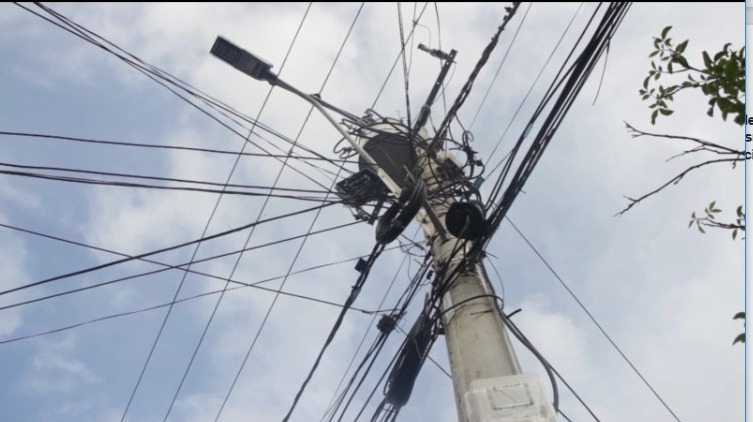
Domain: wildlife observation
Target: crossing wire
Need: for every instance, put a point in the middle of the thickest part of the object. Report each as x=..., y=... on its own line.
x=176, y=266
x=499, y=68
x=528, y=93
x=174, y=84
x=158, y=251
x=305, y=238
x=241, y=285
x=159, y=178
x=399, y=54
x=248, y=238
x=160, y=146
x=100, y=182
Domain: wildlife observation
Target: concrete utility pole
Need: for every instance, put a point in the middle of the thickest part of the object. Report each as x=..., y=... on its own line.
x=486, y=375
x=485, y=371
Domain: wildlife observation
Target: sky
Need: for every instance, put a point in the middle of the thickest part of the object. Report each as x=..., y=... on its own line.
x=664, y=293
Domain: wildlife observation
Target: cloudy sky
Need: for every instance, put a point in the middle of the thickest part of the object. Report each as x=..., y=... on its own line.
x=665, y=294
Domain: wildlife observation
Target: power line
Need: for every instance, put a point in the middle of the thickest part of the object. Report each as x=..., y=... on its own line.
x=161, y=146
x=159, y=178
x=332, y=406
x=402, y=51
x=444, y=126
x=313, y=222
x=80, y=180
x=158, y=251
x=530, y=89
x=167, y=267
x=243, y=285
x=593, y=319
x=499, y=68
x=172, y=84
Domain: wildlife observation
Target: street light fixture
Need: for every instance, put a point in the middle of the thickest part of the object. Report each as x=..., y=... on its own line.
x=260, y=69
x=242, y=60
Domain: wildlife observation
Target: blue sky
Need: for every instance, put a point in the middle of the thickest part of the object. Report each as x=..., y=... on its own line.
x=666, y=294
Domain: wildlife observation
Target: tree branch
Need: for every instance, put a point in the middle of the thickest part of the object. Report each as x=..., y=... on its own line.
x=674, y=181
x=636, y=133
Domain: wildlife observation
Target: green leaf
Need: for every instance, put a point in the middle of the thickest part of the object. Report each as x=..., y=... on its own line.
x=683, y=61
x=654, y=53
x=711, y=205
x=700, y=229
x=734, y=234
x=740, y=211
x=739, y=315
x=740, y=338
x=681, y=47
x=653, y=116
x=690, y=223
x=707, y=60
x=665, y=111
x=665, y=31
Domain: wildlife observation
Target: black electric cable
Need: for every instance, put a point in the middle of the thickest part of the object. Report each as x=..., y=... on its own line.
x=592, y=318
x=572, y=81
x=392, y=223
x=27, y=135
x=311, y=226
x=165, y=80
x=399, y=310
x=158, y=251
x=402, y=50
x=146, y=177
x=100, y=182
x=406, y=73
x=167, y=267
x=530, y=89
x=332, y=403
x=370, y=357
x=355, y=290
x=444, y=126
x=499, y=68
x=241, y=285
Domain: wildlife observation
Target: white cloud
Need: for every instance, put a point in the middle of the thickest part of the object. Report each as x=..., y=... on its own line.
x=666, y=294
